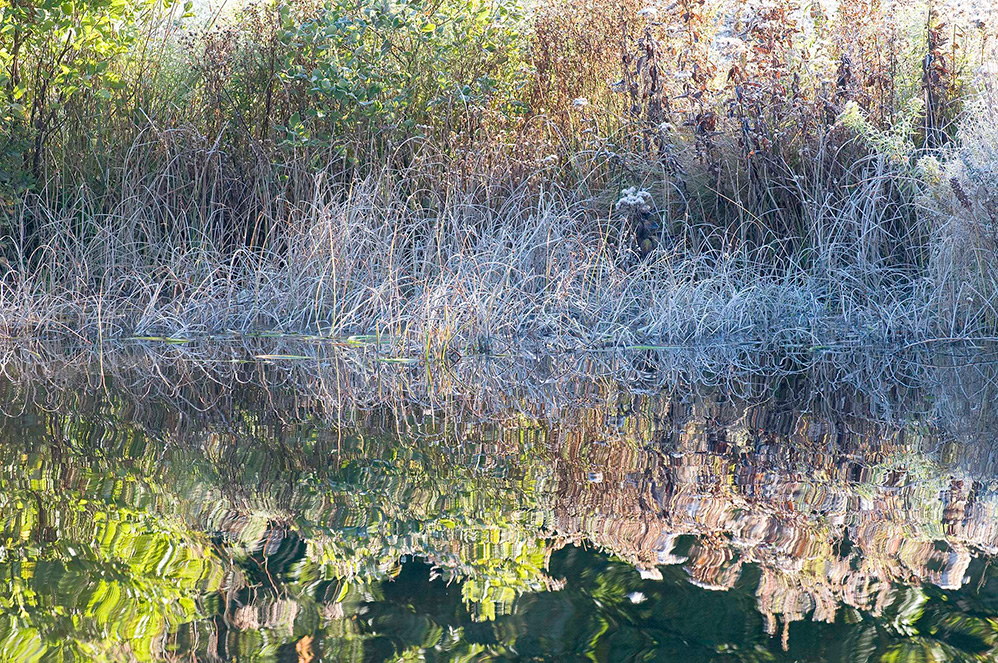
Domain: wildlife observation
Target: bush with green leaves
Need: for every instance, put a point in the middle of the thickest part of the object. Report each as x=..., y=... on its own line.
x=357, y=69
x=57, y=58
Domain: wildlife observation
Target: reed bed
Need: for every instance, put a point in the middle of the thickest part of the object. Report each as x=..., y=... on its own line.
x=535, y=269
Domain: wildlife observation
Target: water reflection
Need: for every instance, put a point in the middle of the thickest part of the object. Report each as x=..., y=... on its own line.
x=247, y=511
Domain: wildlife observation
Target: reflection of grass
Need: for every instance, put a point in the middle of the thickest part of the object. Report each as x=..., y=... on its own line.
x=310, y=522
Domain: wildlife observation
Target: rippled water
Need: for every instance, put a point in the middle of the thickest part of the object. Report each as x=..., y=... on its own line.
x=164, y=513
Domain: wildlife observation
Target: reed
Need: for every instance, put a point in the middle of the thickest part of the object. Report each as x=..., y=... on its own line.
x=478, y=268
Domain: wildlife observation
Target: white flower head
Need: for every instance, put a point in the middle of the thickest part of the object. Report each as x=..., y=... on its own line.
x=634, y=200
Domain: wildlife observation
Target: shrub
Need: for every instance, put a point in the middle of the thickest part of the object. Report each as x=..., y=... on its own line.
x=358, y=70
x=59, y=58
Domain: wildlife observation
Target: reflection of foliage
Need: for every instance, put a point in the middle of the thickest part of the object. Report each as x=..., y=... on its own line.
x=478, y=523
x=261, y=537
x=329, y=541
x=85, y=568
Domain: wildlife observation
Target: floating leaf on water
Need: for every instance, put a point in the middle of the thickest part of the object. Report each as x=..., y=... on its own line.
x=368, y=339
x=159, y=339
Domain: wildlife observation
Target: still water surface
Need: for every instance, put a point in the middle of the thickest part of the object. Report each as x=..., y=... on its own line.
x=239, y=519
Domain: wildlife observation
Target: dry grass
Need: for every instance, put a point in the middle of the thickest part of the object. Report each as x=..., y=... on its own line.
x=533, y=268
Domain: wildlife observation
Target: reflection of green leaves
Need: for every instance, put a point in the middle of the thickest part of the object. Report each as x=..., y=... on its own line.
x=919, y=650
x=906, y=611
x=486, y=533
x=92, y=561
x=130, y=569
x=294, y=535
x=112, y=576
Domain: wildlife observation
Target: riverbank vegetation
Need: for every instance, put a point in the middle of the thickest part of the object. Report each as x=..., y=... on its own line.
x=459, y=175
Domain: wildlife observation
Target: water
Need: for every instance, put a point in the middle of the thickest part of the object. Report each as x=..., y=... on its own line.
x=168, y=510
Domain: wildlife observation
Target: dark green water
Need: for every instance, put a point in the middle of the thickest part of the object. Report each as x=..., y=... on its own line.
x=235, y=519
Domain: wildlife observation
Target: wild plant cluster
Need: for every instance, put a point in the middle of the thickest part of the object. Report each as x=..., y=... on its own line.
x=589, y=171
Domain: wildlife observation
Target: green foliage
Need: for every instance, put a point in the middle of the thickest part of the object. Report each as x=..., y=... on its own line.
x=895, y=143
x=373, y=66
x=54, y=56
